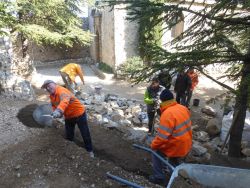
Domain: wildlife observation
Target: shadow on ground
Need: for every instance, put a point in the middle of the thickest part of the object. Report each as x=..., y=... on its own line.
x=25, y=116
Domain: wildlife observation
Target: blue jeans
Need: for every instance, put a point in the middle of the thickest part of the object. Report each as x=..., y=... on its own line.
x=82, y=124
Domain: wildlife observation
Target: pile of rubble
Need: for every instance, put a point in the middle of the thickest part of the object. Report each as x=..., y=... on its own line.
x=126, y=115
x=129, y=117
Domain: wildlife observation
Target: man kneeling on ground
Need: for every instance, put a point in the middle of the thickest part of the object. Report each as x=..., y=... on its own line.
x=174, y=136
x=65, y=103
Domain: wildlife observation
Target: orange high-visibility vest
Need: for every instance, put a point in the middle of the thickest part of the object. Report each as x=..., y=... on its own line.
x=64, y=100
x=73, y=70
x=174, y=136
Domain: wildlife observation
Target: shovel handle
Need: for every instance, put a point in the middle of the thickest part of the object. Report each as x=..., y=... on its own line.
x=156, y=155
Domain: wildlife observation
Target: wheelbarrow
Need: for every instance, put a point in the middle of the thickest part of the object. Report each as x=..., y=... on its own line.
x=206, y=175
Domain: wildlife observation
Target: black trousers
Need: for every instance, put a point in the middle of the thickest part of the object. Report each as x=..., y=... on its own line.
x=82, y=124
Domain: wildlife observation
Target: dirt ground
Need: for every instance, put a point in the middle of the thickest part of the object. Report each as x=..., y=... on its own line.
x=45, y=159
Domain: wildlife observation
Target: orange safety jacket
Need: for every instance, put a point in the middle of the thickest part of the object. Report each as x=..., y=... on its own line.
x=194, y=79
x=65, y=101
x=73, y=70
x=174, y=136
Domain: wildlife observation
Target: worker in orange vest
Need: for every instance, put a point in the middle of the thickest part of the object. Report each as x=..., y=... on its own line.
x=174, y=135
x=194, y=81
x=65, y=103
x=69, y=73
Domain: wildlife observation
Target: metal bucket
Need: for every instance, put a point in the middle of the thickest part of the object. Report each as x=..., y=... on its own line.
x=196, y=102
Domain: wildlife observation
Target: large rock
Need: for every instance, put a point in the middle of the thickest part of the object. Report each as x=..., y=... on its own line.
x=205, y=159
x=101, y=108
x=136, y=121
x=135, y=110
x=98, y=118
x=210, y=147
x=198, y=150
x=209, y=111
x=246, y=152
x=201, y=136
x=111, y=97
x=116, y=117
x=97, y=99
x=14, y=86
x=213, y=127
x=111, y=124
x=217, y=141
x=245, y=144
x=125, y=122
x=114, y=104
x=122, y=102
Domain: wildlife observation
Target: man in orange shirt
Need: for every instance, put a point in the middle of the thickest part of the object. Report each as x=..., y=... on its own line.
x=69, y=73
x=65, y=103
x=174, y=135
x=194, y=80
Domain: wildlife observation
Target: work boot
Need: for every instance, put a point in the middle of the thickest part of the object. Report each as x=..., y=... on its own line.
x=91, y=154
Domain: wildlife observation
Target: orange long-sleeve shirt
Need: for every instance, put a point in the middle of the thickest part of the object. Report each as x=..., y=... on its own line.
x=65, y=101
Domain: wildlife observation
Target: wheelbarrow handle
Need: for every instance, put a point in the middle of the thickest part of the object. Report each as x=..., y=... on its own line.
x=121, y=180
x=155, y=154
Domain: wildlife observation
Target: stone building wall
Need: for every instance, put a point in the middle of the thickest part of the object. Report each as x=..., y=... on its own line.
x=115, y=38
x=126, y=36
x=107, y=37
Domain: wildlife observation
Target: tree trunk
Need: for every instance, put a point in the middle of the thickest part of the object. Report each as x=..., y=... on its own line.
x=241, y=107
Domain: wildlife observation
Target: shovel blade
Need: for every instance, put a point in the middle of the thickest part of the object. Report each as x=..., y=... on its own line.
x=42, y=115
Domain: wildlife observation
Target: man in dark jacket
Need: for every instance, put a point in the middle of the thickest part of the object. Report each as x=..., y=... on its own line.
x=182, y=86
x=151, y=98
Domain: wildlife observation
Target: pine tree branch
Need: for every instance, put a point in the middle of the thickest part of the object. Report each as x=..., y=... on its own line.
x=216, y=81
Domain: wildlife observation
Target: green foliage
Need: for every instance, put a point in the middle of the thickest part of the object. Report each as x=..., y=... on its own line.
x=150, y=33
x=53, y=22
x=216, y=34
x=105, y=67
x=6, y=18
x=132, y=67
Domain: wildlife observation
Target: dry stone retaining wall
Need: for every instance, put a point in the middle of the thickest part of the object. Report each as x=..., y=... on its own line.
x=11, y=84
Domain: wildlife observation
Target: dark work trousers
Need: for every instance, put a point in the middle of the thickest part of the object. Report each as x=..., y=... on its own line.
x=82, y=123
x=159, y=167
x=151, y=116
x=181, y=98
x=189, y=96
x=68, y=83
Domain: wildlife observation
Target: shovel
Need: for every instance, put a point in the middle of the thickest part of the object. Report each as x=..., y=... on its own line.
x=42, y=115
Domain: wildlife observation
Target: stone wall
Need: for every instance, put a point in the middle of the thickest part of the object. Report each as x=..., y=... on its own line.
x=116, y=38
x=48, y=53
x=11, y=84
x=107, y=37
x=126, y=36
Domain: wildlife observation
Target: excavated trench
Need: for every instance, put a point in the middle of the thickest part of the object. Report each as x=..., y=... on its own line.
x=108, y=144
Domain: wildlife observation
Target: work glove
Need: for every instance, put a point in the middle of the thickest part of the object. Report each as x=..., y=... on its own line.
x=56, y=114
